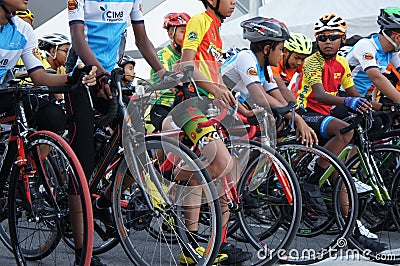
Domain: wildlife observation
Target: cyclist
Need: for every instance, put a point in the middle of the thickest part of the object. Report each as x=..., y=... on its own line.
x=175, y=24
x=369, y=58
x=323, y=73
x=127, y=63
x=249, y=71
x=295, y=51
x=28, y=17
x=202, y=47
x=93, y=36
x=18, y=40
x=14, y=30
x=55, y=46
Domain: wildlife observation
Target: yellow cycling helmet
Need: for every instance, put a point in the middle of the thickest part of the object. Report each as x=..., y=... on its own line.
x=299, y=43
x=25, y=14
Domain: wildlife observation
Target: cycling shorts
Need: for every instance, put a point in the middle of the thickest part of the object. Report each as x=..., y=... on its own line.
x=318, y=123
x=188, y=111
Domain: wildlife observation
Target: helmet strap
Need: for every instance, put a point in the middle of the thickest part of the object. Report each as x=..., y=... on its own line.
x=396, y=47
x=216, y=10
x=266, y=62
x=9, y=14
x=286, y=60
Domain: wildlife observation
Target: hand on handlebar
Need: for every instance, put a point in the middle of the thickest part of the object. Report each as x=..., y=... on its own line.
x=358, y=104
x=89, y=75
x=226, y=97
x=102, y=89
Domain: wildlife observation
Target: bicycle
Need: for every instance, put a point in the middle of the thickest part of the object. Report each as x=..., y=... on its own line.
x=136, y=206
x=273, y=170
x=47, y=189
x=376, y=165
x=325, y=231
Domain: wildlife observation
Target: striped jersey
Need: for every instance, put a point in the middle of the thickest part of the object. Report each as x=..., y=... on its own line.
x=331, y=73
x=105, y=23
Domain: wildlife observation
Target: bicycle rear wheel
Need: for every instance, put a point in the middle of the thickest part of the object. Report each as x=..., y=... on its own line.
x=321, y=234
x=269, y=211
x=60, y=203
x=150, y=207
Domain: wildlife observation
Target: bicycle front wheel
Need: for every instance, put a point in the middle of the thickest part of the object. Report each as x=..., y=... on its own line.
x=321, y=233
x=269, y=210
x=379, y=212
x=53, y=206
x=154, y=211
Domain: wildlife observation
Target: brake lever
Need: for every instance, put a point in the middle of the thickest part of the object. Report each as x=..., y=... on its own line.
x=235, y=110
x=292, y=129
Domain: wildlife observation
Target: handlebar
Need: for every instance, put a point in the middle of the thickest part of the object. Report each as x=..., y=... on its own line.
x=184, y=77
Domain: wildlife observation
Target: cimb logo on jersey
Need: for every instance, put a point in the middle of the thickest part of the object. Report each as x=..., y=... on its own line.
x=110, y=15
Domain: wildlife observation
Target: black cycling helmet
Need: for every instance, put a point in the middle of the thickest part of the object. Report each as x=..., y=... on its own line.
x=264, y=29
x=126, y=60
x=389, y=18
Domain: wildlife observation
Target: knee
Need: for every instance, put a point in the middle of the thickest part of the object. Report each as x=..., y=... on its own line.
x=220, y=167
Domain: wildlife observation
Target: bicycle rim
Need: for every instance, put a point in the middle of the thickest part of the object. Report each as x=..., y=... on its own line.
x=267, y=179
x=382, y=219
x=56, y=182
x=153, y=232
x=320, y=235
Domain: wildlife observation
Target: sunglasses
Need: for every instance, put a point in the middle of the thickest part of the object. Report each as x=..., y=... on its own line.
x=330, y=36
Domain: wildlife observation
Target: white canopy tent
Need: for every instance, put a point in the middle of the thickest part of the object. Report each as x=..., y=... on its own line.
x=300, y=16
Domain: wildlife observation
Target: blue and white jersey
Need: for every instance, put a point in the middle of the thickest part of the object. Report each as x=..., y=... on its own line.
x=243, y=69
x=105, y=23
x=365, y=54
x=17, y=41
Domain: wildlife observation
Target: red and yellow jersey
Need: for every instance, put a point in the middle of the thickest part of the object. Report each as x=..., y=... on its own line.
x=331, y=73
x=286, y=74
x=202, y=35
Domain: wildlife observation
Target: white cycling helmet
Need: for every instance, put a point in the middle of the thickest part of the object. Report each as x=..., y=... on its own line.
x=52, y=40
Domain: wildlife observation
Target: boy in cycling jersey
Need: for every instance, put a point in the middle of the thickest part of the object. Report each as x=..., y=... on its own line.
x=55, y=46
x=295, y=51
x=175, y=24
x=323, y=73
x=249, y=71
x=202, y=47
x=370, y=57
x=127, y=63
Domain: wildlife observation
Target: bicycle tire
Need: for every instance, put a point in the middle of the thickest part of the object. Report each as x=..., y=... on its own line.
x=317, y=246
x=133, y=214
x=262, y=228
x=383, y=219
x=50, y=188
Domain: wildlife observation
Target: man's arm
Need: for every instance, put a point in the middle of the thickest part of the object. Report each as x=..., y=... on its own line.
x=383, y=84
x=82, y=48
x=146, y=48
x=42, y=78
x=326, y=98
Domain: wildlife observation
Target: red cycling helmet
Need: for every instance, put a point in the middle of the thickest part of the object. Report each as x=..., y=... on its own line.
x=175, y=20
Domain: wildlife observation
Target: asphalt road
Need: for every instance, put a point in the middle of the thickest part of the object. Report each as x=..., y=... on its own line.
x=117, y=257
